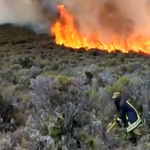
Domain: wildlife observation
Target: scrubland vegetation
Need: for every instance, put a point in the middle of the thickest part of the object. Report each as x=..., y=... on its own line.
x=55, y=106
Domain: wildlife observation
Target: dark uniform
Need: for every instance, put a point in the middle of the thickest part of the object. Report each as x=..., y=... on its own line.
x=128, y=115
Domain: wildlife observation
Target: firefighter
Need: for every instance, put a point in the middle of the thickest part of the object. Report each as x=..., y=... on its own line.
x=128, y=116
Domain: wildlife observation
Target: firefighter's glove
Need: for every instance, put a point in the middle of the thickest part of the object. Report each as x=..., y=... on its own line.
x=119, y=121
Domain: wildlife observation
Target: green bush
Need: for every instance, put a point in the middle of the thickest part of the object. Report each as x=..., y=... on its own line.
x=119, y=86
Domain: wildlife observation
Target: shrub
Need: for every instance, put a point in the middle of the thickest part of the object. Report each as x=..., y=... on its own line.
x=25, y=62
x=8, y=76
x=120, y=85
x=132, y=67
x=52, y=92
x=24, y=81
x=34, y=71
x=112, y=61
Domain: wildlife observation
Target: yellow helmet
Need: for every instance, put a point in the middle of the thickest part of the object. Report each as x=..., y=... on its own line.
x=115, y=95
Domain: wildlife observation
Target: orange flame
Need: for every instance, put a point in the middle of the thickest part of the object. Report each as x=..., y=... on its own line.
x=66, y=34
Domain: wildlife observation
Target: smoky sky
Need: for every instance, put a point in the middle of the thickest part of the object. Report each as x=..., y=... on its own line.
x=108, y=17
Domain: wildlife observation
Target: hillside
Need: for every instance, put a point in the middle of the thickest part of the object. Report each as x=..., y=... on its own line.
x=54, y=107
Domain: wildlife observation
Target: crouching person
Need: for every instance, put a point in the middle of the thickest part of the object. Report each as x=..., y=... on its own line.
x=129, y=117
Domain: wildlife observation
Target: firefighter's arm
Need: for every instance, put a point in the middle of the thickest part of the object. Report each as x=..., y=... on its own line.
x=120, y=117
x=121, y=111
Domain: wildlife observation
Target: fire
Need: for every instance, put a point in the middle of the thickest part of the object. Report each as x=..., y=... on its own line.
x=66, y=34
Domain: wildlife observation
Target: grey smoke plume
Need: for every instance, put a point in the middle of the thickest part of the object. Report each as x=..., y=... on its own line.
x=23, y=12
x=108, y=17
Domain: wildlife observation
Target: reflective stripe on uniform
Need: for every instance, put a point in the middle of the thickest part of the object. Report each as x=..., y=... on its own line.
x=118, y=119
x=133, y=108
x=136, y=123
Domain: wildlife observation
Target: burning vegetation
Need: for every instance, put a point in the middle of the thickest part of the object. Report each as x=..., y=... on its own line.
x=119, y=30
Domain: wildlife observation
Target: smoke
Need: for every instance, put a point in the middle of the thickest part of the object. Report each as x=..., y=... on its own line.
x=108, y=17
x=122, y=18
x=22, y=13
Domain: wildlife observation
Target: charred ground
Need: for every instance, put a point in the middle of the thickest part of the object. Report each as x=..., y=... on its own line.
x=40, y=78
